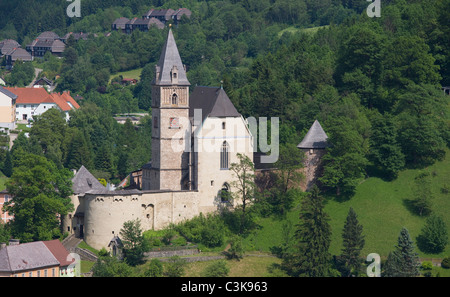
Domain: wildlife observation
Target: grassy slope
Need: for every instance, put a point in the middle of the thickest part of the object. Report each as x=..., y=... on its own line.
x=135, y=73
x=381, y=210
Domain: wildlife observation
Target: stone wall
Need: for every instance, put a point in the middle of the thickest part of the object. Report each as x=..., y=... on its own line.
x=105, y=214
x=168, y=254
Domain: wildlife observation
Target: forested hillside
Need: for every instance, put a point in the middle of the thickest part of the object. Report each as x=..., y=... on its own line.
x=373, y=83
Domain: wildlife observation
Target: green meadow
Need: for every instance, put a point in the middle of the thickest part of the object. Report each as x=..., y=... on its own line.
x=381, y=207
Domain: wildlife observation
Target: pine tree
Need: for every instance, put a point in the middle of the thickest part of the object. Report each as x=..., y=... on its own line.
x=353, y=242
x=434, y=236
x=311, y=256
x=8, y=166
x=403, y=261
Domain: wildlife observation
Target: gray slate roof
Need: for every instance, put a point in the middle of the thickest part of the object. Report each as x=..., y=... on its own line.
x=84, y=181
x=49, y=35
x=316, y=138
x=170, y=57
x=213, y=102
x=7, y=45
x=8, y=93
x=20, y=54
x=26, y=256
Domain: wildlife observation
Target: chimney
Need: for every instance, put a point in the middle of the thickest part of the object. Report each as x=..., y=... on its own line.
x=14, y=241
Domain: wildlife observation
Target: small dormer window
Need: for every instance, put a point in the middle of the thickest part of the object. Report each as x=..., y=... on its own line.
x=174, y=74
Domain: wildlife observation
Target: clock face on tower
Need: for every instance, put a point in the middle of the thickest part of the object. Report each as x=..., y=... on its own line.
x=174, y=123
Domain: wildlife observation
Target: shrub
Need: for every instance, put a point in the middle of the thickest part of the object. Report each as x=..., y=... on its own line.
x=445, y=263
x=155, y=269
x=427, y=265
x=236, y=250
x=175, y=267
x=179, y=241
x=217, y=269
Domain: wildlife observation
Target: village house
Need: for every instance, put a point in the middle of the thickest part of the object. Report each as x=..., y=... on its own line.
x=46, y=41
x=153, y=17
x=15, y=55
x=119, y=24
x=163, y=15
x=142, y=25
x=35, y=101
x=5, y=197
x=7, y=45
x=35, y=259
x=44, y=82
x=7, y=109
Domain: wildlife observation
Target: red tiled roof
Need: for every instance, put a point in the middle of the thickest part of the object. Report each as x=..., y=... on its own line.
x=59, y=252
x=30, y=95
x=40, y=95
x=68, y=98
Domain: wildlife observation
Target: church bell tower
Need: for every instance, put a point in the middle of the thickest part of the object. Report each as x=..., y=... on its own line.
x=171, y=125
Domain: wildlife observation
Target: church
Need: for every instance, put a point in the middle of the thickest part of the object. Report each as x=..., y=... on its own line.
x=195, y=138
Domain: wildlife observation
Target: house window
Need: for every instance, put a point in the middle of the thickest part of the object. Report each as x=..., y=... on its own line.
x=53, y=272
x=155, y=122
x=24, y=116
x=30, y=274
x=174, y=99
x=224, y=125
x=224, y=156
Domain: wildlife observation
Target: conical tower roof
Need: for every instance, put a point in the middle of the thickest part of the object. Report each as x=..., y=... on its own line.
x=84, y=181
x=316, y=138
x=169, y=58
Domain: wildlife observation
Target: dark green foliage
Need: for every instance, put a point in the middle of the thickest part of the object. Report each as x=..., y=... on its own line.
x=21, y=75
x=175, y=267
x=422, y=194
x=134, y=243
x=155, y=269
x=5, y=233
x=385, y=150
x=41, y=194
x=7, y=165
x=433, y=237
x=111, y=267
x=445, y=263
x=353, y=242
x=236, y=250
x=403, y=261
x=312, y=240
x=209, y=230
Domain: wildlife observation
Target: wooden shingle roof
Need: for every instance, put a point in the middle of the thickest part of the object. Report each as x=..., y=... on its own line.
x=84, y=181
x=316, y=138
x=169, y=58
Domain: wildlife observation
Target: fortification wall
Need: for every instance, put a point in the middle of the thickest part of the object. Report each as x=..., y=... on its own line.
x=106, y=214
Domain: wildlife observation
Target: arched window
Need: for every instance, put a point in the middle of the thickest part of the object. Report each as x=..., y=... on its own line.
x=225, y=195
x=224, y=156
x=174, y=99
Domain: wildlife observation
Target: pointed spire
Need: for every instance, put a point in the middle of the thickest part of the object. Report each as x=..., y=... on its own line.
x=170, y=69
x=316, y=138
